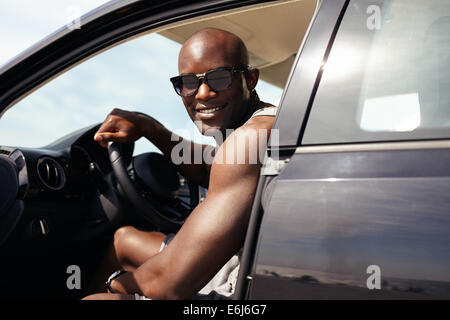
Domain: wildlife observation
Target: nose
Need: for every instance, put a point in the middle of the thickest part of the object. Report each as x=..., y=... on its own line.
x=204, y=92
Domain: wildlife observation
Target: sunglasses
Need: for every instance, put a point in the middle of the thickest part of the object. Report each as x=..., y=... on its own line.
x=219, y=79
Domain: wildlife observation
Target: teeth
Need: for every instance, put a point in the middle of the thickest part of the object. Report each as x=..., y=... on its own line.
x=211, y=110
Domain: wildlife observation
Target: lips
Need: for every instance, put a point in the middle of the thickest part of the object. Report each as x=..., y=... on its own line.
x=207, y=110
x=210, y=110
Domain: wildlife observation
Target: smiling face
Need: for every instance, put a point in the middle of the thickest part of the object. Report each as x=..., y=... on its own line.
x=216, y=110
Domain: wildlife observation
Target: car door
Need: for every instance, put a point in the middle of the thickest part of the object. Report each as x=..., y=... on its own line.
x=354, y=201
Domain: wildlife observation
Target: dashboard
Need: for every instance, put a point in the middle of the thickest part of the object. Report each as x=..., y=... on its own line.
x=58, y=187
x=58, y=170
x=67, y=194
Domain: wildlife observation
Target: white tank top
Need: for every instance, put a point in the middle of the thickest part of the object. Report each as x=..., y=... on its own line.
x=270, y=111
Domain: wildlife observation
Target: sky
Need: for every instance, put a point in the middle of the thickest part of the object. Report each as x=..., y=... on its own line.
x=24, y=22
x=133, y=76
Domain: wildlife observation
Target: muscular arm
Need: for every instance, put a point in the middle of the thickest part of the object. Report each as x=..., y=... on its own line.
x=210, y=236
x=123, y=126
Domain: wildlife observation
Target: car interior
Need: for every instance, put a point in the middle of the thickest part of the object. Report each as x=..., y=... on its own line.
x=61, y=203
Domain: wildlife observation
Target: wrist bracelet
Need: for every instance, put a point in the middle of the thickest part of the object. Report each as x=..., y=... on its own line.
x=112, y=277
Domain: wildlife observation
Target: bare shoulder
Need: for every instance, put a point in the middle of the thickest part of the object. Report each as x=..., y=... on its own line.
x=239, y=158
x=258, y=123
x=264, y=120
x=256, y=129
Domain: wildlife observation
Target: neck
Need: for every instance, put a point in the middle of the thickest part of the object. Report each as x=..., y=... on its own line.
x=253, y=105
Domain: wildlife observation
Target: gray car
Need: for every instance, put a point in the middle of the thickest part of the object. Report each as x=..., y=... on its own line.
x=353, y=199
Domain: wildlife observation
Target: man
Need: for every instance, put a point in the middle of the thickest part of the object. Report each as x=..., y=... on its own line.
x=221, y=95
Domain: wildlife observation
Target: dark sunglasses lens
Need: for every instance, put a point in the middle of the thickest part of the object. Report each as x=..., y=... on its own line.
x=177, y=84
x=189, y=84
x=219, y=80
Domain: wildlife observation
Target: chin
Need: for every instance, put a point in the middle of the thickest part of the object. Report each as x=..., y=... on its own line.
x=210, y=130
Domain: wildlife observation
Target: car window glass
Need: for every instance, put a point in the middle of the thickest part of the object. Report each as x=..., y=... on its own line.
x=387, y=76
x=133, y=76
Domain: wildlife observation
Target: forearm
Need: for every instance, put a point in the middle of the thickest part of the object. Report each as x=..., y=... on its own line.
x=184, y=267
x=191, y=166
x=125, y=126
x=147, y=280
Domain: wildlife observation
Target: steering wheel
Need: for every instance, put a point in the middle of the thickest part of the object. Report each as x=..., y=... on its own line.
x=154, y=197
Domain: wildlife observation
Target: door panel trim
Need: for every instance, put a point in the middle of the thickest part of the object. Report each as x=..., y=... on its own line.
x=385, y=146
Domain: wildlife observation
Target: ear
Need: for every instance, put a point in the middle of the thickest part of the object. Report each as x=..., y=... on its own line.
x=251, y=78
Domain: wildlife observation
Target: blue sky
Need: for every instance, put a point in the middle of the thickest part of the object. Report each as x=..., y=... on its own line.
x=24, y=22
x=133, y=76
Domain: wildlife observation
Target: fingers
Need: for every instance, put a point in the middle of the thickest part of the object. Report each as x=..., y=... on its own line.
x=105, y=137
x=102, y=135
x=100, y=141
x=115, y=128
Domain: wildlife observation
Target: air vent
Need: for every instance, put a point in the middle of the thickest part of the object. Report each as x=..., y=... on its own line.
x=51, y=173
x=5, y=152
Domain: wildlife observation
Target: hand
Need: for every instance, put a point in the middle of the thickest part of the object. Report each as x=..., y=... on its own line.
x=122, y=126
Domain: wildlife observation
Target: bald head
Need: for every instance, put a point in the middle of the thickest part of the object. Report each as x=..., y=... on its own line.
x=215, y=46
x=211, y=49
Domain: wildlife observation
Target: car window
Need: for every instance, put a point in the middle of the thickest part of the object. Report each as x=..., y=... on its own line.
x=387, y=76
x=133, y=76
